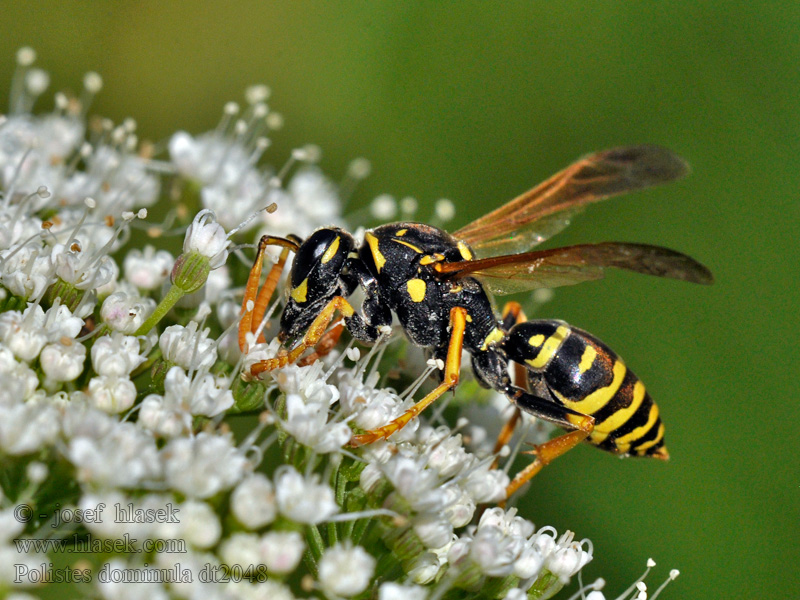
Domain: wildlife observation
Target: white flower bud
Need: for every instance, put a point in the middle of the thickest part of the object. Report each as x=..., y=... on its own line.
x=281, y=551
x=395, y=591
x=116, y=354
x=528, y=564
x=19, y=380
x=564, y=562
x=26, y=273
x=345, y=571
x=370, y=477
x=36, y=472
x=162, y=419
x=147, y=269
x=126, y=313
x=433, y=529
x=302, y=500
x=207, y=237
x=187, y=347
x=486, y=485
x=210, y=395
x=199, y=524
x=425, y=569
x=241, y=549
x=112, y=393
x=25, y=428
x=63, y=362
x=23, y=333
x=253, y=502
x=202, y=466
x=460, y=506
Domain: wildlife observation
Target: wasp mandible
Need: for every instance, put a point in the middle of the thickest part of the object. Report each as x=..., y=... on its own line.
x=439, y=285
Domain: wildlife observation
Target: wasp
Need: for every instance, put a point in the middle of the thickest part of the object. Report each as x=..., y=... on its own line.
x=439, y=285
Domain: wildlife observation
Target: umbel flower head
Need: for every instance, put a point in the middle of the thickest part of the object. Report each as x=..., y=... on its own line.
x=122, y=398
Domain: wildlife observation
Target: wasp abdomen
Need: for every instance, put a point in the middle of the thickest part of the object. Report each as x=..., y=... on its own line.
x=587, y=376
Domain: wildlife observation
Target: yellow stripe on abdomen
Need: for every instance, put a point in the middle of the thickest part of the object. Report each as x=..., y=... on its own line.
x=626, y=440
x=642, y=448
x=600, y=397
x=549, y=348
x=622, y=416
x=587, y=360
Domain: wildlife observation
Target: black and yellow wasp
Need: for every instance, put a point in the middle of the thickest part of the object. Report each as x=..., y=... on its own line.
x=438, y=285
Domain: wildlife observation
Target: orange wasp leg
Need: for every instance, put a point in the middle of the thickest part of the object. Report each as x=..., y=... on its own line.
x=265, y=294
x=313, y=334
x=549, y=451
x=458, y=322
x=251, y=316
x=326, y=343
x=512, y=314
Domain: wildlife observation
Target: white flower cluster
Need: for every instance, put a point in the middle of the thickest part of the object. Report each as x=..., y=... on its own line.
x=118, y=386
x=223, y=163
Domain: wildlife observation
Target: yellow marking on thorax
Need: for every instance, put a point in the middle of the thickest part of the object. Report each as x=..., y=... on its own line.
x=431, y=258
x=331, y=251
x=469, y=318
x=639, y=431
x=619, y=418
x=600, y=397
x=456, y=288
x=536, y=340
x=401, y=232
x=300, y=292
x=549, y=348
x=416, y=289
x=412, y=246
x=495, y=335
x=643, y=448
x=463, y=249
x=587, y=360
x=379, y=258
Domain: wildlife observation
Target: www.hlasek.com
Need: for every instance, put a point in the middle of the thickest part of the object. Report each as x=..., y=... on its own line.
x=46, y=573
x=83, y=544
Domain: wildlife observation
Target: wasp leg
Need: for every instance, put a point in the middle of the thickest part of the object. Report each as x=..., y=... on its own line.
x=251, y=317
x=505, y=435
x=313, y=335
x=326, y=343
x=512, y=314
x=458, y=322
x=582, y=426
x=265, y=294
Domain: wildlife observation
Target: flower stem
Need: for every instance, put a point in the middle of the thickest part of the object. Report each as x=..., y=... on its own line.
x=315, y=542
x=167, y=302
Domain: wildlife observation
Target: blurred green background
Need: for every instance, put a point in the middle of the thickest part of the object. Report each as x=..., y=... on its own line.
x=476, y=102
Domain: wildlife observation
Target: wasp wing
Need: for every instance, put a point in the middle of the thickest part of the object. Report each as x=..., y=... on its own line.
x=573, y=264
x=546, y=209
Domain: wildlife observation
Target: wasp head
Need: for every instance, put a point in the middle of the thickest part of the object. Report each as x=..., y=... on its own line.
x=315, y=278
